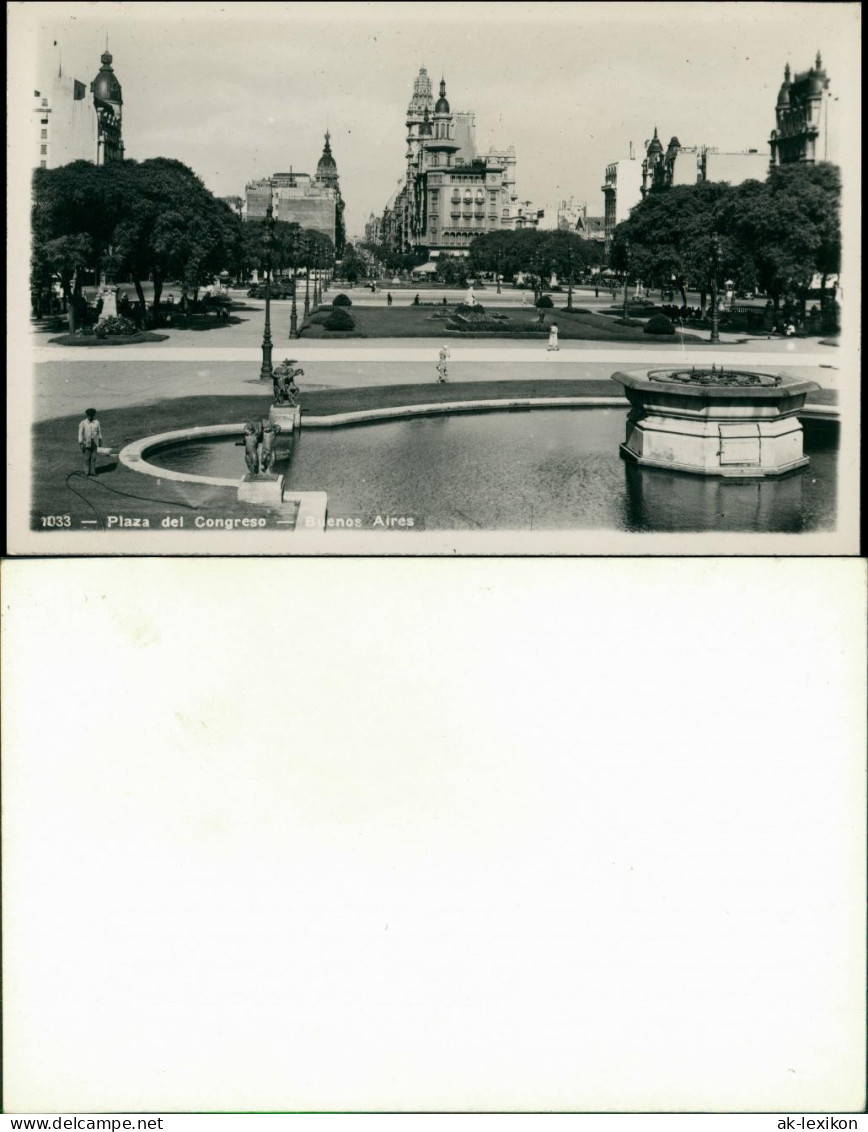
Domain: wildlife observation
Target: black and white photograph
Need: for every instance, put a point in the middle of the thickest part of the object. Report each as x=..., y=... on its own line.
x=319, y=278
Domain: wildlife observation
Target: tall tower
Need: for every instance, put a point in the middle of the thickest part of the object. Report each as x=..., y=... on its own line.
x=327, y=176
x=326, y=168
x=441, y=145
x=108, y=103
x=804, y=118
x=421, y=101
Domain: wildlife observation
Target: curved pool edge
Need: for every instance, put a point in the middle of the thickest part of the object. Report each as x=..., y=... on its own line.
x=497, y=404
x=133, y=456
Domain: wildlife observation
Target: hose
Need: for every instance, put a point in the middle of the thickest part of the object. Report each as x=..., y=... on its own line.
x=126, y=494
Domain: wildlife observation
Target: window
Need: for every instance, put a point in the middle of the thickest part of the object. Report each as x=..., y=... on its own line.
x=43, y=149
x=43, y=133
x=44, y=121
x=43, y=164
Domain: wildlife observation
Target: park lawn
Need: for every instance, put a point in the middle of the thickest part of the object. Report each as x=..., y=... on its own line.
x=409, y=321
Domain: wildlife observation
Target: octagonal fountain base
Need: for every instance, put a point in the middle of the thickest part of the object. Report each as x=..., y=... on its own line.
x=715, y=422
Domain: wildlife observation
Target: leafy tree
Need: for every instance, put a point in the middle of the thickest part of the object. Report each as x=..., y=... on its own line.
x=788, y=227
x=668, y=238
x=75, y=210
x=569, y=254
x=352, y=266
x=171, y=226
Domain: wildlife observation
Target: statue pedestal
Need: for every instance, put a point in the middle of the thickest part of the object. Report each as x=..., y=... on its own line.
x=287, y=416
x=109, y=305
x=264, y=489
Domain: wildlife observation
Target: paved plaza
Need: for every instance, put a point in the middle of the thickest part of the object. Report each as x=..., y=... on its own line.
x=226, y=361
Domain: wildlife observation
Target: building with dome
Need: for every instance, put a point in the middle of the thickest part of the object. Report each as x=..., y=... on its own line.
x=692, y=164
x=805, y=118
x=449, y=194
x=71, y=126
x=314, y=202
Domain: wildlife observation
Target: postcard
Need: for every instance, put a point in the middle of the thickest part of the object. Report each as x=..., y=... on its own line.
x=331, y=279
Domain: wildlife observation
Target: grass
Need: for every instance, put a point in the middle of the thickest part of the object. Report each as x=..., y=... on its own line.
x=409, y=321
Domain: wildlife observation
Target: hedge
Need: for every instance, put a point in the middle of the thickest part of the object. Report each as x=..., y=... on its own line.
x=342, y=300
x=339, y=319
x=659, y=324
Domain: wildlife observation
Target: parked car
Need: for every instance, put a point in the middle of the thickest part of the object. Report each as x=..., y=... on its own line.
x=279, y=290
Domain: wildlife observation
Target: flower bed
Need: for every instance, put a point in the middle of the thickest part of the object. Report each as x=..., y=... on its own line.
x=115, y=340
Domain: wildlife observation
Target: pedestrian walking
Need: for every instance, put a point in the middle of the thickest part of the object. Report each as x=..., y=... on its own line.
x=553, y=338
x=89, y=439
x=389, y=298
x=442, y=376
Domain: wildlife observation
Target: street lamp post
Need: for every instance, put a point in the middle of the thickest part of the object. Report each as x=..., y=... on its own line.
x=293, y=315
x=626, y=274
x=265, y=373
x=570, y=280
x=307, y=281
x=715, y=314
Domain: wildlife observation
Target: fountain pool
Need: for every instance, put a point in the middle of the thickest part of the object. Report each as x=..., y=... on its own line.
x=547, y=469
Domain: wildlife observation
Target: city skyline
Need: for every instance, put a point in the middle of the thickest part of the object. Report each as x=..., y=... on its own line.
x=546, y=84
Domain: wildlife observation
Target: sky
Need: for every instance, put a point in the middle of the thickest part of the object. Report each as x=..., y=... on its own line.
x=240, y=91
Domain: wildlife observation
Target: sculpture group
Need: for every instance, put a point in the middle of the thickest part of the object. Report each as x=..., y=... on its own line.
x=285, y=389
x=260, y=442
x=260, y=437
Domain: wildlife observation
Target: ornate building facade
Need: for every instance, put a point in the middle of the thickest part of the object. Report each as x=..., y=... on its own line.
x=805, y=118
x=72, y=127
x=313, y=202
x=449, y=193
x=691, y=164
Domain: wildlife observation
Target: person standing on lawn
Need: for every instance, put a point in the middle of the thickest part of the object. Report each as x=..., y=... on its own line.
x=89, y=440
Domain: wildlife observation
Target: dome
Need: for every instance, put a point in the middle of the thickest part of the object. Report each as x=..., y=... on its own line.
x=441, y=106
x=816, y=84
x=655, y=145
x=326, y=166
x=784, y=92
x=106, y=85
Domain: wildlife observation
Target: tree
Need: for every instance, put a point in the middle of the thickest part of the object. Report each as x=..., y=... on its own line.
x=171, y=226
x=569, y=254
x=789, y=228
x=75, y=211
x=667, y=238
x=351, y=266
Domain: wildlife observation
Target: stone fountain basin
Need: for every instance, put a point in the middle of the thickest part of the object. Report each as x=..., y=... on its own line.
x=678, y=398
x=714, y=430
